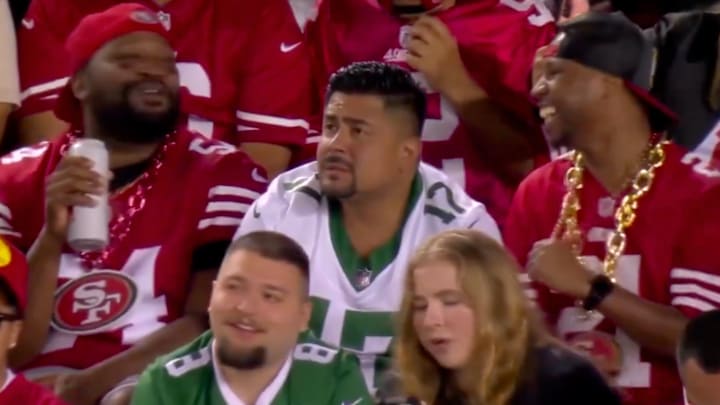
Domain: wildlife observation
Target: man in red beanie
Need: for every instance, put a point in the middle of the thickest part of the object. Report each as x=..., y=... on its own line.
x=243, y=67
x=15, y=389
x=176, y=199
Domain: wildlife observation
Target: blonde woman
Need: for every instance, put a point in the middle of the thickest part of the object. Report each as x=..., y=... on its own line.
x=468, y=336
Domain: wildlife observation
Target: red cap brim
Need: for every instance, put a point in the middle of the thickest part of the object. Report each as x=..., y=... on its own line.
x=662, y=116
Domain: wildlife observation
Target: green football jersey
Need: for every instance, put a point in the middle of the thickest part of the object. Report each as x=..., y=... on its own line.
x=315, y=374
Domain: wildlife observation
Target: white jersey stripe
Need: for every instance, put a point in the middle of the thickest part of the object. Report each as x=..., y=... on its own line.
x=694, y=303
x=694, y=289
x=272, y=120
x=219, y=221
x=688, y=274
x=233, y=191
x=227, y=207
x=43, y=87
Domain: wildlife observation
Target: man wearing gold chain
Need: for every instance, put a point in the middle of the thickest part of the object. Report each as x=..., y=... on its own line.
x=619, y=237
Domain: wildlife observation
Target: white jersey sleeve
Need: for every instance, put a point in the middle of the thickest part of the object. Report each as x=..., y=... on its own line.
x=270, y=209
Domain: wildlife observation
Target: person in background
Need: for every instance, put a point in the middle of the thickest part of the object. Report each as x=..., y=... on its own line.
x=243, y=67
x=472, y=59
x=364, y=206
x=9, y=81
x=615, y=274
x=255, y=351
x=468, y=335
x=97, y=319
x=14, y=388
x=698, y=358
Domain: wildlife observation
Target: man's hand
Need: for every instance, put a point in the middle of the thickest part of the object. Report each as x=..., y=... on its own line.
x=74, y=387
x=554, y=264
x=71, y=184
x=433, y=51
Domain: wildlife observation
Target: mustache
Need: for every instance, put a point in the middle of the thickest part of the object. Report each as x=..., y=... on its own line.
x=336, y=160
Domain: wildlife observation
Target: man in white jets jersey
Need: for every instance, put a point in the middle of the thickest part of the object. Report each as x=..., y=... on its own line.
x=364, y=206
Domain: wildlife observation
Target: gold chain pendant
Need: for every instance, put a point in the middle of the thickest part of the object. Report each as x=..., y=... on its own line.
x=567, y=228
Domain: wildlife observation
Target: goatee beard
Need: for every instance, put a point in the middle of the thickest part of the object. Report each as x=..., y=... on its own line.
x=248, y=359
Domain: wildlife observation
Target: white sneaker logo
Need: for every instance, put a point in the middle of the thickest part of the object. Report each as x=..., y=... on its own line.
x=28, y=23
x=287, y=48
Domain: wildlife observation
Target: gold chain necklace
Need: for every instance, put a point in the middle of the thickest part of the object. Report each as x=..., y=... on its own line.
x=567, y=225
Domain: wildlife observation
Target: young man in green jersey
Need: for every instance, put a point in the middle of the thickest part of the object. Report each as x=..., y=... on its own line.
x=256, y=352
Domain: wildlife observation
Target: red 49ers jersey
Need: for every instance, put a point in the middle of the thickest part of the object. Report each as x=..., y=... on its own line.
x=497, y=41
x=243, y=65
x=671, y=257
x=197, y=197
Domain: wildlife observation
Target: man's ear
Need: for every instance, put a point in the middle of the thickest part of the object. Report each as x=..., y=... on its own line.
x=78, y=84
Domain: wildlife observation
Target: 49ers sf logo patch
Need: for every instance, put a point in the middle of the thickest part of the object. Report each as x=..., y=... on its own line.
x=93, y=303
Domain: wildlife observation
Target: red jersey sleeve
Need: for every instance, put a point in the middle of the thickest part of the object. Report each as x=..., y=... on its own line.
x=323, y=49
x=274, y=98
x=520, y=231
x=41, y=49
x=41, y=57
x=22, y=185
x=232, y=183
x=531, y=218
x=695, y=276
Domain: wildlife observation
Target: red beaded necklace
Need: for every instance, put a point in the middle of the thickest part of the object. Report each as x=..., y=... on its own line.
x=133, y=197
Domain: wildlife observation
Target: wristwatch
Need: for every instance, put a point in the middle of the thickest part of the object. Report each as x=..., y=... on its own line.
x=600, y=287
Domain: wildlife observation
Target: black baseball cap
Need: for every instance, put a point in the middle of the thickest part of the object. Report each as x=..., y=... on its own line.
x=612, y=44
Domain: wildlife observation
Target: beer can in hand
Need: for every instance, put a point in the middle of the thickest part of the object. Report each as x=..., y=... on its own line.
x=89, y=226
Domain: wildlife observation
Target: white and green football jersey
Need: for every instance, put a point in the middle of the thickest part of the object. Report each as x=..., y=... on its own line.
x=315, y=374
x=354, y=298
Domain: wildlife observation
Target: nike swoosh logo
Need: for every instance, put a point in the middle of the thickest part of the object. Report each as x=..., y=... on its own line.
x=287, y=48
x=356, y=402
x=28, y=23
x=255, y=174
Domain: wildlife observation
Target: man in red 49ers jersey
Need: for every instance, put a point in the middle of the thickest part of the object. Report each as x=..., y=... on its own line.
x=473, y=57
x=619, y=236
x=243, y=67
x=176, y=199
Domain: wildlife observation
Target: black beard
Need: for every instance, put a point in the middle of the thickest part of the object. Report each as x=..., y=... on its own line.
x=242, y=360
x=123, y=123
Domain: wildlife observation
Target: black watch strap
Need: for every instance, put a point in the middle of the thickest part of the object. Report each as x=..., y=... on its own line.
x=600, y=287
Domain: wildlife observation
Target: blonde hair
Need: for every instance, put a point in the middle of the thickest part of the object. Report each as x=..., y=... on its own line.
x=505, y=327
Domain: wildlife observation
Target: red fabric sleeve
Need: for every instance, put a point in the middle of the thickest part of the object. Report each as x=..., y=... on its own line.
x=274, y=99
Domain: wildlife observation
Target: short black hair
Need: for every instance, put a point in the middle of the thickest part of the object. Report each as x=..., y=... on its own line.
x=274, y=246
x=700, y=342
x=395, y=85
x=10, y=297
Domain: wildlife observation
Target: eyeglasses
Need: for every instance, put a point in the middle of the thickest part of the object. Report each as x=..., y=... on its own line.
x=9, y=317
